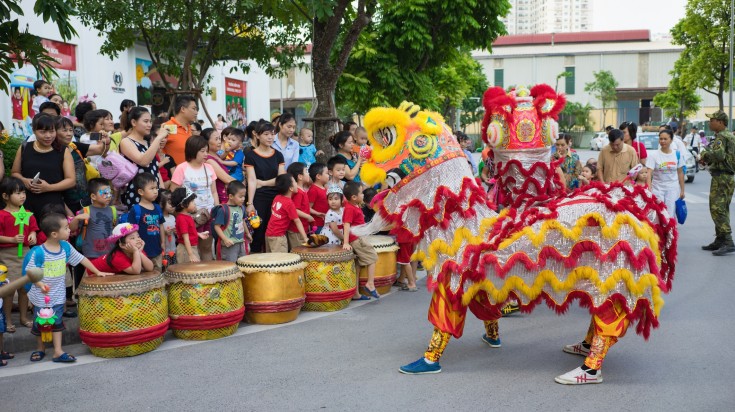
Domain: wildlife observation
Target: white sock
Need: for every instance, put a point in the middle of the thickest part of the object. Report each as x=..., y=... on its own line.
x=429, y=362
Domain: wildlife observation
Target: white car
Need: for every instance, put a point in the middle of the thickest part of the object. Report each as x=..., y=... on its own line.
x=598, y=141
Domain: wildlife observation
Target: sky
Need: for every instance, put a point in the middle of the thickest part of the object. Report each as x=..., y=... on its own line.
x=656, y=15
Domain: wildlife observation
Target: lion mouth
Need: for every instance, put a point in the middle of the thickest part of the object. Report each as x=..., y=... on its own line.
x=385, y=136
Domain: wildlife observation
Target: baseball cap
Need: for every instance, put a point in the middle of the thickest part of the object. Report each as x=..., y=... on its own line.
x=718, y=115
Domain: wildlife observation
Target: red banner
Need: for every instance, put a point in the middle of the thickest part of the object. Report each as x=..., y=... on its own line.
x=64, y=54
x=235, y=87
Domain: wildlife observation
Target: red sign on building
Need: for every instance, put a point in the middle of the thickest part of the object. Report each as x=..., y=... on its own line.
x=64, y=54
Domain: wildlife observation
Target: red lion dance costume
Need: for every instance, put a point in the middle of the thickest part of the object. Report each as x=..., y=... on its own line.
x=611, y=247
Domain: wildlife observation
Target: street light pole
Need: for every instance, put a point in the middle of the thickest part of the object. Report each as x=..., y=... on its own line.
x=732, y=9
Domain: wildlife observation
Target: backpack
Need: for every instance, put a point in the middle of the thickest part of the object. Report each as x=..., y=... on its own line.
x=117, y=169
x=83, y=232
x=134, y=214
x=36, y=253
x=226, y=210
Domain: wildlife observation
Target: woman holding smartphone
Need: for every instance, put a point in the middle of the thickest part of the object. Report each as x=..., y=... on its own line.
x=45, y=167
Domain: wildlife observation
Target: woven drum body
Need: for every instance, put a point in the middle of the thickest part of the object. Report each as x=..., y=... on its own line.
x=330, y=277
x=385, y=269
x=205, y=299
x=273, y=284
x=123, y=315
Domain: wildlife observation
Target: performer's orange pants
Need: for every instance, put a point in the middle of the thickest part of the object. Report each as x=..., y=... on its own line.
x=604, y=331
x=448, y=319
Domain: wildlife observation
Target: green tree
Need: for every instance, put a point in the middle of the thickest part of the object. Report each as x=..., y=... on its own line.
x=419, y=50
x=681, y=99
x=17, y=41
x=335, y=27
x=560, y=76
x=185, y=38
x=704, y=33
x=575, y=117
x=603, y=89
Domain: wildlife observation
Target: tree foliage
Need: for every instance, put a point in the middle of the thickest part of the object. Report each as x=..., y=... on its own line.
x=704, y=33
x=185, y=38
x=575, y=117
x=603, y=89
x=681, y=99
x=17, y=41
x=336, y=25
x=419, y=50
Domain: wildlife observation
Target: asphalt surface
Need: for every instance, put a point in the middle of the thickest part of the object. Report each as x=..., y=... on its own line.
x=349, y=360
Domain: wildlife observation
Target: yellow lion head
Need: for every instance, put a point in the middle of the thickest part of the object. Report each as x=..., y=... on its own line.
x=405, y=138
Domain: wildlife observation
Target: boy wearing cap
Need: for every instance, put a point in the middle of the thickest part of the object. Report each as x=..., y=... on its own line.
x=720, y=159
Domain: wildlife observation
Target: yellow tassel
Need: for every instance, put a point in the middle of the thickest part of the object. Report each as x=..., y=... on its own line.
x=547, y=277
x=465, y=235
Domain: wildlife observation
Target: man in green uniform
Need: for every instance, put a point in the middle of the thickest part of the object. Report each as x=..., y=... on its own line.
x=720, y=159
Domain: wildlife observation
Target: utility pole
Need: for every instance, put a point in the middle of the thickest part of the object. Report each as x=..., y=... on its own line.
x=732, y=9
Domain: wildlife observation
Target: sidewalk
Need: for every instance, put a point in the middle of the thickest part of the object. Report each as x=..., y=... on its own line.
x=23, y=341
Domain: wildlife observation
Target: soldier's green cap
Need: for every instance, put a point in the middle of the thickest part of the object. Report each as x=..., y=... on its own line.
x=718, y=115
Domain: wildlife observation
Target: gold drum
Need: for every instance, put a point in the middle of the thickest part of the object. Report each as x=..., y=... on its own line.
x=123, y=315
x=330, y=277
x=205, y=299
x=385, y=268
x=273, y=284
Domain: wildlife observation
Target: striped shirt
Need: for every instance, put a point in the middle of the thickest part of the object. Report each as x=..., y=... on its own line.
x=54, y=271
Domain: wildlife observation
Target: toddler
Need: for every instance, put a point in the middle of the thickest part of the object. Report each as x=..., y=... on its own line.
x=233, y=156
x=186, y=231
x=337, y=168
x=228, y=222
x=53, y=256
x=307, y=150
x=283, y=214
x=317, y=193
x=169, y=230
x=333, y=219
x=14, y=195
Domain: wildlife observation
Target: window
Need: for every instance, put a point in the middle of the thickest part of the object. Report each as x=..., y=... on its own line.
x=498, y=81
x=569, y=81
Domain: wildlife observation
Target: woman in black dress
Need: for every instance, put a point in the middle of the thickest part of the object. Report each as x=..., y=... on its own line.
x=48, y=159
x=263, y=164
x=137, y=149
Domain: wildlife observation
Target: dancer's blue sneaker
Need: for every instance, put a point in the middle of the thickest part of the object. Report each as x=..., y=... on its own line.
x=493, y=343
x=420, y=367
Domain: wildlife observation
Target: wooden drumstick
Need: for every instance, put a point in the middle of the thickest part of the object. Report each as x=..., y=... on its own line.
x=33, y=275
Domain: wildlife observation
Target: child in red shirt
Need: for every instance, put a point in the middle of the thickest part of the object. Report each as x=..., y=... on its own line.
x=126, y=256
x=318, y=193
x=283, y=214
x=13, y=192
x=366, y=255
x=301, y=200
x=186, y=231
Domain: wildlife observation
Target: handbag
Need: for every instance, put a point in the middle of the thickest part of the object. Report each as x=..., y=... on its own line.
x=117, y=169
x=681, y=211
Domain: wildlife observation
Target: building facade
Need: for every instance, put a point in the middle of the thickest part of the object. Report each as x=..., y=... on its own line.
x=640, y=65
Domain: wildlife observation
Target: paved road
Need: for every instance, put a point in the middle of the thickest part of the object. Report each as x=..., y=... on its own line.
x=348, y=360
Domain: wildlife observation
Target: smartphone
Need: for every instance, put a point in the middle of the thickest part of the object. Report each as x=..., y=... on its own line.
x=37, y=178
x=94, y=136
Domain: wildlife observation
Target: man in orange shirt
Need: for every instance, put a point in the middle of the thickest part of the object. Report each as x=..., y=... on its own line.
x=186, y=111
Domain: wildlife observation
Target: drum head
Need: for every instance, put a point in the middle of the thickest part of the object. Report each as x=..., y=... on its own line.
x=120, y=285
x=381, y=243
x=270, y=262
x=202, y=272
x=326, y=253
